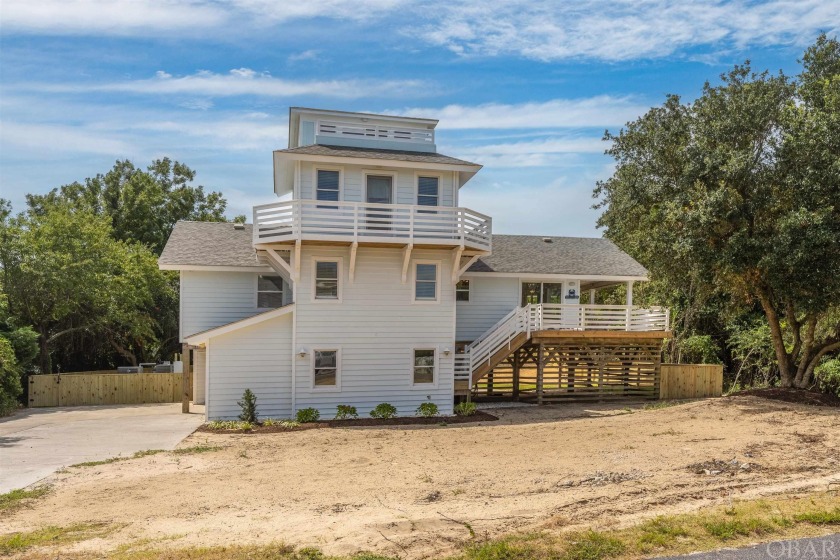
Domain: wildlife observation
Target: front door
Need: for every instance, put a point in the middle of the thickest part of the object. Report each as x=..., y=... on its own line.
x=380, y=190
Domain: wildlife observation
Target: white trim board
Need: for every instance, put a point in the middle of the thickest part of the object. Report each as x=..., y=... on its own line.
x=530, y=276
x=204, y=336
x=214, y=268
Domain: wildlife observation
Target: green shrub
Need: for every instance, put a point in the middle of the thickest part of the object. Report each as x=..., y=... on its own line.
x=465, y=408
x=828, y=376
x=229, y=425
x=384, y=410
x=248, y=404
x=306, y=415
x=344, y=411
x=427, y=409
x=10, y=387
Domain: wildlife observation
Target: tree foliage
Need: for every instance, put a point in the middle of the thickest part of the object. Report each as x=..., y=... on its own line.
x=735, y=198
x=79, y=266
x=143, y=206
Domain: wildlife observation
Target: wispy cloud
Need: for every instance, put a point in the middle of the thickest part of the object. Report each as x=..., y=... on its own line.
x=244, y=81
x=311, y=54
x=598, y=111
x=536, y=153
x=106, y=17
x=616, y=30
x=61, y=138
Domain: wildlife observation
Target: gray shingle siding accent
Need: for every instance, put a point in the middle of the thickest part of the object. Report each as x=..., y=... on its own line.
x=219, y=244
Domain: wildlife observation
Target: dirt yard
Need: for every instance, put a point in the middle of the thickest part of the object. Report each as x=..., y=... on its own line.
x=417, y=491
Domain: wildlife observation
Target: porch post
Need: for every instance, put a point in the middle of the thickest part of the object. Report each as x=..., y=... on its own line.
x=591, y=297
x=629, y=313
x=515, y=362
x=540, y=369
x=185, y=379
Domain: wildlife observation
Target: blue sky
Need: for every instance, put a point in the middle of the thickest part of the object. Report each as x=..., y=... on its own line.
x=525, y=88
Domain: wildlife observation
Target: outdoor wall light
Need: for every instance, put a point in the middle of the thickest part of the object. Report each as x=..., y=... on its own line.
x=446, y=351
x=302, y=352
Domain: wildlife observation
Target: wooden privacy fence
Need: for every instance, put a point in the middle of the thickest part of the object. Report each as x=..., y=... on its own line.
x=96, y=388
x=690, y=381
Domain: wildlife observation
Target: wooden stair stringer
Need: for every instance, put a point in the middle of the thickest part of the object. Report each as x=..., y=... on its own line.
x=501, y=355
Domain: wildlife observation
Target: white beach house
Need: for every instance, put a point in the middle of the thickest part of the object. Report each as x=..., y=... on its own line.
x=368, y=283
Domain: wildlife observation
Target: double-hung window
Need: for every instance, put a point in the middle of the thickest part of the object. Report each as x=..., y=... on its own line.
x=462, y=290
x=424, y=366
x=425, y=282
x=325, y=368
x=326, y=276
x=428, y=191
x=327, y=186
x=269, y=291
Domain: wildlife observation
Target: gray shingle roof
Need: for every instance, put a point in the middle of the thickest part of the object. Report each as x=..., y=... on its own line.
x=219, y=244
x=209, y=244
x=584, y=256
x=394, y=155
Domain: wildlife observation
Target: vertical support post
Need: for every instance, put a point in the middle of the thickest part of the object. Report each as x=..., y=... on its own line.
x=515, y=363
x=185, y=379
x=540, y=370
x=591, y=297
x=629, y=304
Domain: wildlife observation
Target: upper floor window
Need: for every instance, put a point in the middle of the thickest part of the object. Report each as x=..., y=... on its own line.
x=326, y=279
x=425, y=282
x=462, y=290
x=428, y=191
x=327, y=185
x=269, y=291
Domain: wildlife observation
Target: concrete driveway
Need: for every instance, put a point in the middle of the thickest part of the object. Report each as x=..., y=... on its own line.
x=36, y=442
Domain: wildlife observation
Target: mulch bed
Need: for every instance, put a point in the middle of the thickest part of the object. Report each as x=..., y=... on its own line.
x=479, y=416
x=798, y=396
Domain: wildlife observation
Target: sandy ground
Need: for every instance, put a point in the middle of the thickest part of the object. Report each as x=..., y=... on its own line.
x=409, y=491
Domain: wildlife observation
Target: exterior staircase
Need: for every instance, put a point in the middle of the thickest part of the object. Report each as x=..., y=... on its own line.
x=515, y=330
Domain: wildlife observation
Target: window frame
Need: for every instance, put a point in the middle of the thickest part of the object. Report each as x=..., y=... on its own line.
x=315, y=170
x=468, y=291
x=417, y=176
x=379, y=173
x=438, y=285
x=257, y=291
x=325, y=388
x=340, y=279
x=435, y=367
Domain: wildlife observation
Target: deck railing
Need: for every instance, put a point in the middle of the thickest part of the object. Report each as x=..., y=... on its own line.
x=319, y=220
x=377, y=132
x=548, y=316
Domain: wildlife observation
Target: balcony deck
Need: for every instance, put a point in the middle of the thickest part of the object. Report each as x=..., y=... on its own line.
x=367, y=223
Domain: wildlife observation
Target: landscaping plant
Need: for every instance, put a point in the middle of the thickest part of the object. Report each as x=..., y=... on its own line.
x=344, y=412
x=465, y=408
x=384, y=410
x=248, y=404
x=427, y=409
x=305, y=415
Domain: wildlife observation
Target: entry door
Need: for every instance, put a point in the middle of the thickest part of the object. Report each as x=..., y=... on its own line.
x=380, y=190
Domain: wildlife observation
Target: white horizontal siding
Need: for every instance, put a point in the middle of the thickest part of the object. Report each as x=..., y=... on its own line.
x=376, y=326
x=490, y=300
x=199, y=376
x=353, y=183
x=257, y=358
x=211, y=299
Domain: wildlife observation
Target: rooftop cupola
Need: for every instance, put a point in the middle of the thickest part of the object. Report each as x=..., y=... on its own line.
x=360, y=130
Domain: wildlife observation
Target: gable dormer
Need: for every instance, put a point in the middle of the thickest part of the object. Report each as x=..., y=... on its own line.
x=360, y=130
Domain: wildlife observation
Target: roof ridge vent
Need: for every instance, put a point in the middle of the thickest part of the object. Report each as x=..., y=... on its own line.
x=238, y=225
x=548, y=240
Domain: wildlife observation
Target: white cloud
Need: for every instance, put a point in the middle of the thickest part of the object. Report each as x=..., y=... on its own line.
x=618, y=30
x=273, y=11
x=107, y=17
x=61, y=138
x=535, y=153
x=601, y=111
x=244, y=81
x=311, y=54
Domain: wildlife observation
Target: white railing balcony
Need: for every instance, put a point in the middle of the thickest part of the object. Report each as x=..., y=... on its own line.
x=311, y=220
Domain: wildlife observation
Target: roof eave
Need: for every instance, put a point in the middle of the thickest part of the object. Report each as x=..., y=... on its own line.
x=381, y=162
